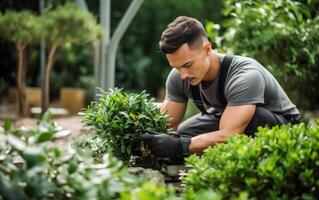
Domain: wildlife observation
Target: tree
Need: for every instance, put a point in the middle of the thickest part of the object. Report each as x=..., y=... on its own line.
x=21, y=28
x=66, y=24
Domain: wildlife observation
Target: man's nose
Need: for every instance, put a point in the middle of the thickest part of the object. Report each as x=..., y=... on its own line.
x=184, y=74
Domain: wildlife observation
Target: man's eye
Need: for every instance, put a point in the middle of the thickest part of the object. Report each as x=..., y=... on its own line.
x=187, y=66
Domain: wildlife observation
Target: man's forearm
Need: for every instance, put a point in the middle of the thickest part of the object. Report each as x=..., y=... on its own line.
x=175, y=112
x=203, y=141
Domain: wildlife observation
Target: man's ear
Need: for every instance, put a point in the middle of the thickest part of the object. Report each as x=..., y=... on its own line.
x=207, y=47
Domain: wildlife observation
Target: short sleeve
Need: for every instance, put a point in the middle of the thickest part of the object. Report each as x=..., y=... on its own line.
x=175, y=89
x=246, y=88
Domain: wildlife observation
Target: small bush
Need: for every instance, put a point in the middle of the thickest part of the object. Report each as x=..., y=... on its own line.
x=31, y=167
x=280, y=163
x=150, y=190
x=190, y=194
x=118, y=118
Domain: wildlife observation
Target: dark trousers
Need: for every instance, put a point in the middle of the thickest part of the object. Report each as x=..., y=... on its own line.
x=199, y=124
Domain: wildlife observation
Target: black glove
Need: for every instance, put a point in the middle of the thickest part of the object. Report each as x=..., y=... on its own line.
x=165, y=146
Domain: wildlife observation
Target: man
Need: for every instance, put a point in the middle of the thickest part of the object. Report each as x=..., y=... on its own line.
x=235, y=94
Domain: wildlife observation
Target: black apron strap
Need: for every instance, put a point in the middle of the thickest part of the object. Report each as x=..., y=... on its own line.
x=196, y=94
x=222, y=77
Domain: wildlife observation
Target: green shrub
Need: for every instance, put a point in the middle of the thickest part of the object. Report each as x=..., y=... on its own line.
x=190, y=194
x=280, y=163
x=282, y=35
x=118, y=118
x=155, y=191
x=31, y=167
x=150, y=190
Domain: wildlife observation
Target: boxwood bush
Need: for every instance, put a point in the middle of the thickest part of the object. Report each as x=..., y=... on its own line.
x=117, y=118
x=280, y=163
x=32, y=167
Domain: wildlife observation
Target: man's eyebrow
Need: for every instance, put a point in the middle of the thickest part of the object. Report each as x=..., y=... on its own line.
x=184, y=65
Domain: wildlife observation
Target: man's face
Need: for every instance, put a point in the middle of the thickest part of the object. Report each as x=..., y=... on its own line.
x=192, y=64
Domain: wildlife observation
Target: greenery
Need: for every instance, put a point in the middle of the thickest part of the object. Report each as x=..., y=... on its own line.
x=73, y=68
x=119, y=117
x=62, y=22
x=22, y=29
x=32, y=167
x=280, y=163
x=190, y=194
x=57, y=27
x=138, y=54
x=66, y=24
x=282, y=35
x=150, y=190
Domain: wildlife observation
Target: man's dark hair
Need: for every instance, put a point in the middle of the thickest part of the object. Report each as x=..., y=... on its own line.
x=182, y=30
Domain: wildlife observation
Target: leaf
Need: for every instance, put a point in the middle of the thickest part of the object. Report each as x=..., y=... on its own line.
x=133, y=116
x=46, y=117
x=8, y=190
x=16, y=143
x=122, y=148
x=7, y=125
x=44, y=137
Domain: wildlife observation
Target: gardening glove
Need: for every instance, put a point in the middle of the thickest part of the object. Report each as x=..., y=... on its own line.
x=137, y=144
x=137, y=148
x=165, y=146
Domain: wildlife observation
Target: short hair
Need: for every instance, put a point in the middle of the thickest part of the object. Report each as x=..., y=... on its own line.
x=182, y=30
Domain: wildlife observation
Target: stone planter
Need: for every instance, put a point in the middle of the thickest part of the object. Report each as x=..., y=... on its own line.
x=72, y=99
x=32, y=98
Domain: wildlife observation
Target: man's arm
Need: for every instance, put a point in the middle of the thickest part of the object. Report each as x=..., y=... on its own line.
x=175, y=112
x=233, y=121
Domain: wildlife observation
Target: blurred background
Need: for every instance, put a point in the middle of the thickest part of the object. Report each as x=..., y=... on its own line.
x=283, y=35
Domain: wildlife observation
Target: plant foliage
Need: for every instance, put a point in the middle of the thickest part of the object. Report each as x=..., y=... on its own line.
x=282, y=35
x=67, y=23
x=21, y=28
x=280, y=163
x=31, y=167
x=119, y=117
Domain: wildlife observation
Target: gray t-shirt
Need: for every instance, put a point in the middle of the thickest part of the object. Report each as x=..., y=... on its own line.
x=247, y=82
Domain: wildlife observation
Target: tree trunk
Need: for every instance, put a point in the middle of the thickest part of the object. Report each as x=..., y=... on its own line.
x=20, y=81
x=24, y=82
x=45, y=104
